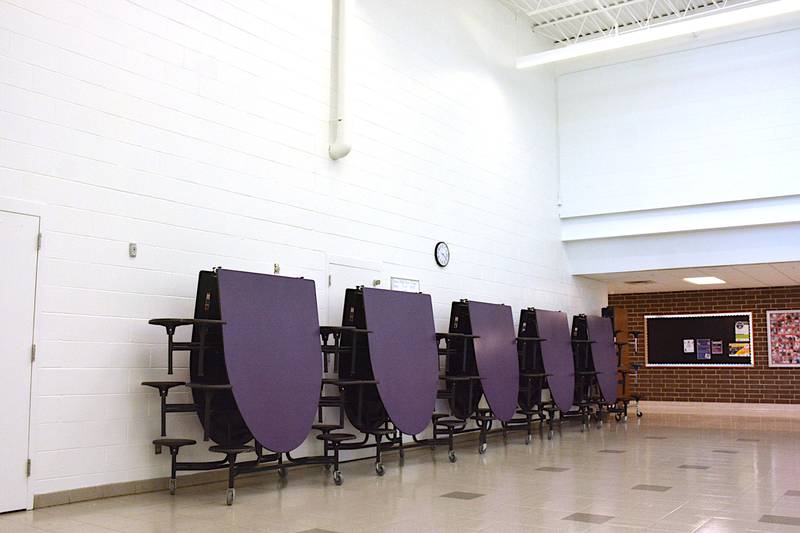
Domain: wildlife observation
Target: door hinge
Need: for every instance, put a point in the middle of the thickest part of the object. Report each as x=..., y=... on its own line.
x=39, y=242
x=28, y=468
x=33, y=353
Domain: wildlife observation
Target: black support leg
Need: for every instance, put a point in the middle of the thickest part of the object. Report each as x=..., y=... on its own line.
x=378, y=465
x=231, y=493
x=173, y=482
x=163, y=394
x=402, y=450
x=337, y=474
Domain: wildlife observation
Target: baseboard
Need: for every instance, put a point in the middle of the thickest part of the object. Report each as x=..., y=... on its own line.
x=125, y=488
x=725, y=409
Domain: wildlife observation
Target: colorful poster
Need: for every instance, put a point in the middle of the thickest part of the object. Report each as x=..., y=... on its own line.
x=716, y=347
x=783, y=338
x=688, y=345
x=703, y=349
x=742, y=331
x=739, y=349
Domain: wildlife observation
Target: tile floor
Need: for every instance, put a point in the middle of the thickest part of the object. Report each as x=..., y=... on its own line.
x=565, y=484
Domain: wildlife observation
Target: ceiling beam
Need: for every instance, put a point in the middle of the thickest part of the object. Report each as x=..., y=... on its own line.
x=546, y=9
x=596, y=11
x=686, y=26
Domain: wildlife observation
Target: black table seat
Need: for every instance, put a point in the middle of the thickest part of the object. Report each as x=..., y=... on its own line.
x=231, y=449
x=326, y=428
x=163, y=386
x=450, y=423
x=336, y=437
x=174, y=443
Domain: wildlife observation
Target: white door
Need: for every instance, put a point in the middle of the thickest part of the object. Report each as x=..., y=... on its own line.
x=346, y=274
x=18, y=239
x=343, y=275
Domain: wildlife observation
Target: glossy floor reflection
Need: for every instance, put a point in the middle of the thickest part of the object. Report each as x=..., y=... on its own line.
x=668, y=473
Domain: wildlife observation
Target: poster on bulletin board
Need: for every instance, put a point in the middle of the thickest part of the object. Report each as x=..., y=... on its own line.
x=708, y=339
x=783, y=338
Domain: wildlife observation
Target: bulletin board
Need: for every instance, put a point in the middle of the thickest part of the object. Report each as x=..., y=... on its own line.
x=783, y=338
x=710, y=339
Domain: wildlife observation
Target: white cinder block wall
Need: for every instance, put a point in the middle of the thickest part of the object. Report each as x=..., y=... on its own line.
x=199, y=129
x=685, y=158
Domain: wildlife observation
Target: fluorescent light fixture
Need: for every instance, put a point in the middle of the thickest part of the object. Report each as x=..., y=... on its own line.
x=731, y=17
x=705, y=280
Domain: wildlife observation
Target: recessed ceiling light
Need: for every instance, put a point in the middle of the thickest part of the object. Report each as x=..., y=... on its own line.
x=705, y=280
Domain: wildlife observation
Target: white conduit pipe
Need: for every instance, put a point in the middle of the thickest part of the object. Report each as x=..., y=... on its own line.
x=339, y=146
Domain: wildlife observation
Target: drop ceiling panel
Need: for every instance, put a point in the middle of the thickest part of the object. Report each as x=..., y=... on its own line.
x=791, y=270
x=735, y=276
x=766, y=273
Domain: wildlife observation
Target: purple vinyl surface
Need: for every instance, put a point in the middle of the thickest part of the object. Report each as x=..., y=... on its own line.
x=404, y=355
x=496, y=356
x=272, y=353
x=604, y=355
x=557, y=356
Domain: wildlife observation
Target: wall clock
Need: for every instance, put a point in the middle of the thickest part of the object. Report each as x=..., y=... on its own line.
x=442, y=254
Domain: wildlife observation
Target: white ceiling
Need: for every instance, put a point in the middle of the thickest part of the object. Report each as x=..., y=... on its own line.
x=738, y=276
x=569, y=21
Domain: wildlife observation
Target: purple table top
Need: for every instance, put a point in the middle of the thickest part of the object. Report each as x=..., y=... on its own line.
x=404, y=355
x=496, y=356
x=557, y=356
x=272, y=353
x=604, y=355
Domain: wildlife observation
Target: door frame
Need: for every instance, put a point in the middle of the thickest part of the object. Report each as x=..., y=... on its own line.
x=349, y=262
x=33, y=209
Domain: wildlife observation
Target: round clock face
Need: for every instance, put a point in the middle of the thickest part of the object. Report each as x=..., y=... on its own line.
x=442, y=254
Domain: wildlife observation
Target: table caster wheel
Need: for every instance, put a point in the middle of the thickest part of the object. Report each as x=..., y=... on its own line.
x=379, y=469
x=337, y=477
x=452, y=456
x=550, y=435
x=624, y=418
x=617, y=417
x=583, y=428
x=482, y=448
x=172, y=485
x=282, y=473
x=528, y=438
x=639, y=414
x=229, y=496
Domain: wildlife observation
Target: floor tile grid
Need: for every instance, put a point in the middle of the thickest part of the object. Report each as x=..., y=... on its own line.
x=735, y=493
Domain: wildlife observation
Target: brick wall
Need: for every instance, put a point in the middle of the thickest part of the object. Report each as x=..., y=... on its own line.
x=759, y=384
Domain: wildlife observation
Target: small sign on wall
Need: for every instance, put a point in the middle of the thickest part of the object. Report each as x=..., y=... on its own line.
x=739, y=349
x=704, y=349
x=405, y=285
x=742, y=331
